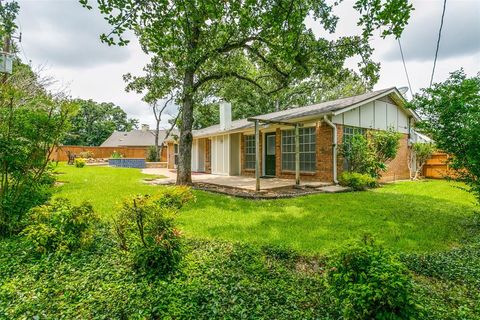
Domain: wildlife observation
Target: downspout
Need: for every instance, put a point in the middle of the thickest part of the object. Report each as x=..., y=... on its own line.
x=334, y=144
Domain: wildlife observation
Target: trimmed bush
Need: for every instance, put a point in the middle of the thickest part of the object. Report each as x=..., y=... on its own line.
x=60, y=227
x=80, y=162
x=146, y=230
x=357, y=181
x=152, y=154
x=116, y=155
x=368, y=282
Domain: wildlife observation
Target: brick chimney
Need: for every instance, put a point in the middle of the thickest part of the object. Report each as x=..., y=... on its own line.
x=225, y=115
x=145, y=127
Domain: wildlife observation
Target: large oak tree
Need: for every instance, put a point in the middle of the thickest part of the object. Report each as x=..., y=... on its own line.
x=199, y=42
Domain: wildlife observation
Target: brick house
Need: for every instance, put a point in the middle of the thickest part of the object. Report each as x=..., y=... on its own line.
x=230, y=147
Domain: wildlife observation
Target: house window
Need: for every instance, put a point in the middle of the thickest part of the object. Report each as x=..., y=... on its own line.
x=349, y=132
x=249, y=152
x=308, y=155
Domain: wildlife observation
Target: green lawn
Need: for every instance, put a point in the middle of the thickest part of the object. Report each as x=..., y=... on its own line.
x=104, y=187
x=406, y=216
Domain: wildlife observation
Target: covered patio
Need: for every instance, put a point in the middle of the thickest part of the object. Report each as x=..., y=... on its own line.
x=262, y=120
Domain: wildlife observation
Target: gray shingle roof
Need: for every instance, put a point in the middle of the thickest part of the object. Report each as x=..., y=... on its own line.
x=134, y=138
x=320, y=108
x=300, y=112
x=236, y=125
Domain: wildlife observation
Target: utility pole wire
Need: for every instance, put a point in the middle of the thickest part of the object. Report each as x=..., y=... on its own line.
x=405, y=67
x=438, y=41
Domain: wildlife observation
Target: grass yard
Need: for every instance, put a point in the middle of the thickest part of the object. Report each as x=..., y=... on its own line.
x=405, y=216
x=104, y=187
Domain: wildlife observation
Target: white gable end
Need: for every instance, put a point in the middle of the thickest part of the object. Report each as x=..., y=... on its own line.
x=377, y=114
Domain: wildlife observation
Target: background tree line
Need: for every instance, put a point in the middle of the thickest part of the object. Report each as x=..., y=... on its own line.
x=95, y=122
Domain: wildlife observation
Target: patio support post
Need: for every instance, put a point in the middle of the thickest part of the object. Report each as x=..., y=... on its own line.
x=297, y=155
x=257, y=155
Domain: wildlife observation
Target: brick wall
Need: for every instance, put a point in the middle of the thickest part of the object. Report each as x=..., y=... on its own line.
x=324, y=170
x=324, y=156
x=398, y=167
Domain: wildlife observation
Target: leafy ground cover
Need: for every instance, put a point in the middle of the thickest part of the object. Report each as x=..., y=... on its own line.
x=220, y=279
x=216, y=280
x=406, y=216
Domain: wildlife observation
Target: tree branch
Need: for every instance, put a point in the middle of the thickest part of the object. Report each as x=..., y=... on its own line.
x=225, y=75
x=266, y=61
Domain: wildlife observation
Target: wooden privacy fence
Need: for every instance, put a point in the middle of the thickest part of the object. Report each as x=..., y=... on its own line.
x=437, y=166
x=61, y=153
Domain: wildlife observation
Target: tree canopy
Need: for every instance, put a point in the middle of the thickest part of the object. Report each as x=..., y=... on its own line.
x=95, y=122
x=452, y=118
x=262, y=42
x=247, y=101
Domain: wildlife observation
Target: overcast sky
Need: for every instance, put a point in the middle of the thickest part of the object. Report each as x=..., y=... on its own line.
x=63, y=38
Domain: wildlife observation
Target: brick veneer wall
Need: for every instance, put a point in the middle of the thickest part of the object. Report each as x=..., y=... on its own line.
x=324, y=170
x=398, y=167
x=324, y=142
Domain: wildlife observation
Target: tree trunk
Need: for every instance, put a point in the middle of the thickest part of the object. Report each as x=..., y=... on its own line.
x=157, y=132
x=184, y=171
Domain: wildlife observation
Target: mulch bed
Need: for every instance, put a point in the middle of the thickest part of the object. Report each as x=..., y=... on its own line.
x=278, y=193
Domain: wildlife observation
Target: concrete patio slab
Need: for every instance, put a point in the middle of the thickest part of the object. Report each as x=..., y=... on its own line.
x=333, y=189
x=247, y=183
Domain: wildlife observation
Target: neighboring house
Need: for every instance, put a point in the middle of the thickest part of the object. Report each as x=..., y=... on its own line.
x=143, y=138
x=229, y=148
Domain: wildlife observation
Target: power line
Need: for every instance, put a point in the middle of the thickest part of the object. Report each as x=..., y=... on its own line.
x=405, y=67
x=438, y=41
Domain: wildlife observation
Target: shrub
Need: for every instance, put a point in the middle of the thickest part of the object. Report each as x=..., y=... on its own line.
x=357, y=154
x=357, y=181
x=368, y=282
x=116, y=155
x=60, y=227
x=384, y=145
x=371, y=154
x=16, y=202
x=174, y=197
x=86, y=154
x=80, y=162
x=32, y=122
x=145, y=229
x=152, y=154
x=418, y=156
